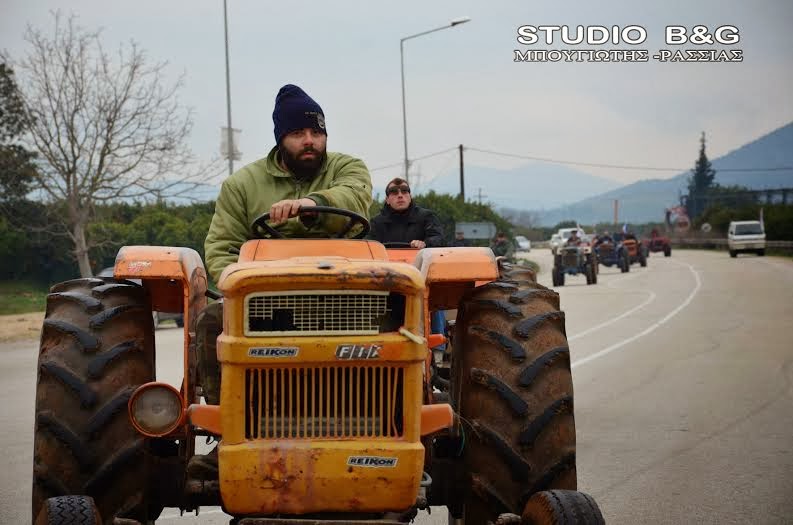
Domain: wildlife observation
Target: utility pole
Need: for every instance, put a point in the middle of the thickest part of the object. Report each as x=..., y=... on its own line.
x=462, y=176
x=616, y=210
x=228, y=92
x=480, y=196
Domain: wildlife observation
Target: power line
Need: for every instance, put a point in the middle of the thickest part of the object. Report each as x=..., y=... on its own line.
x=617, y=166
x=577, y=163
x=414, y=159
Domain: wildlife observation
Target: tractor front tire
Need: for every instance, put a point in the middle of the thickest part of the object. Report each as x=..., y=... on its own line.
x=667, y=251
x=592, y=276
x=69, y=510
x=562, y=507
x=512, y=388
x=97, y=347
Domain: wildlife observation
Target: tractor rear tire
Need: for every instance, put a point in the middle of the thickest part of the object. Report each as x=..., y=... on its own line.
x=667, y=251
x=512, y=388
x=517, y=272
x=642, y=258
x=69, y=510
x=562, y=507
x=97, y=347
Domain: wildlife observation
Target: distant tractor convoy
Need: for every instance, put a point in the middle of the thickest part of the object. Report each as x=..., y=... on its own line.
x=331, y=407
x=633, y=247
x=658, y=243
x=574, y=260
x=611, y=253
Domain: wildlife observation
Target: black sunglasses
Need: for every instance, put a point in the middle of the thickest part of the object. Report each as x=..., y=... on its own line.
x=393, y=190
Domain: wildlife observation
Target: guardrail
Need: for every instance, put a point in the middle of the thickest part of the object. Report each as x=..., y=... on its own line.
x=721, y=244
x=714, y=243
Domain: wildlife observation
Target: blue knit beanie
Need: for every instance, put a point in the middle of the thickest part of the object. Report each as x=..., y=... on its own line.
x=294, y=110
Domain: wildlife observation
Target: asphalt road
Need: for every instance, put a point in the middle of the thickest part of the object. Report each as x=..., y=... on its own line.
x=683, y=378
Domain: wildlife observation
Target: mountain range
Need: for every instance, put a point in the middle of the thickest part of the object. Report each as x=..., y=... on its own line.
x=534, y=186
x=555, y=193
x=646, y=200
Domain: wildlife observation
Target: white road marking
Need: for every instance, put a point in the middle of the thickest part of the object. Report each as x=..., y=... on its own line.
x=650, y=299
x=650, y=329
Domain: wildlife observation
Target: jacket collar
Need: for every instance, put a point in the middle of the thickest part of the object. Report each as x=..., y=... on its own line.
x=389, y=212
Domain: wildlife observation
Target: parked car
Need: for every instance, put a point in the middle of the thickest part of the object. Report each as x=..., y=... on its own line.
x=746, y=236
x=523, y=243
x=555, y=242
x=157, y=317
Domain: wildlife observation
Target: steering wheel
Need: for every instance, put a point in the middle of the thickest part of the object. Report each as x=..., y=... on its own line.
x=262, y=230
x=397, y=245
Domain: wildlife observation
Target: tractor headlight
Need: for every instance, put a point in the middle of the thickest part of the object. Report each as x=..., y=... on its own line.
x=155, y=409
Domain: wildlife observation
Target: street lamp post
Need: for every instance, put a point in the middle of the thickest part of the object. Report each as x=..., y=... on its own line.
x=229, y=131
x=455, y=22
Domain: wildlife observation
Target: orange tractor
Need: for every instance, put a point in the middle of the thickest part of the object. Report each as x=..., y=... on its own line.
x=332, y=408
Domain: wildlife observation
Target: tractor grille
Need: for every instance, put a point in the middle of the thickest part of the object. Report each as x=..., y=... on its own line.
x=316, y=312
x=570, y=258
x=324, y=402
x=606, y=251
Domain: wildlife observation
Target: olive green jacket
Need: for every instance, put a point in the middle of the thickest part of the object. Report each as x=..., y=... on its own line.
x=342, y=182
x=503, y=249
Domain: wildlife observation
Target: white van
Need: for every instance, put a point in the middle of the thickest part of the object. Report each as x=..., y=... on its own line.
x=746, y=236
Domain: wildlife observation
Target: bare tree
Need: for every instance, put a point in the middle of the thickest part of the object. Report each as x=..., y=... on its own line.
x=106, y=126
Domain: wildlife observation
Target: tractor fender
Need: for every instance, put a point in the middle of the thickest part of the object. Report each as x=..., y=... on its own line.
x=174, y=277
x=450, y=272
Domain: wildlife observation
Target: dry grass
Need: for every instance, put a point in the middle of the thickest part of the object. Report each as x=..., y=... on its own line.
x=17, y=327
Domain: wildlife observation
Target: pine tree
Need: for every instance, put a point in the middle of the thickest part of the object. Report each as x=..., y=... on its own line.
x=16, y=163
x=700, y=182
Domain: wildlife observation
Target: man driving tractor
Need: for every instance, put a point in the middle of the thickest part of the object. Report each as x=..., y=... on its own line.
x=298, y=172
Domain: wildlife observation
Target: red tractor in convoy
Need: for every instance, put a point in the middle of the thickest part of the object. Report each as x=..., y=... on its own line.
x=635, y=249
x=658, y=243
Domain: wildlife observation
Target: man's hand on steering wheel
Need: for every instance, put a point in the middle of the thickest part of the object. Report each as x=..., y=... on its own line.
x=418, y=244
x=261, y=230
x=283, y=210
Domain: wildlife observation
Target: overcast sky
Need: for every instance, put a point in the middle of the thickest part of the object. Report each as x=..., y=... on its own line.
x=463, y=86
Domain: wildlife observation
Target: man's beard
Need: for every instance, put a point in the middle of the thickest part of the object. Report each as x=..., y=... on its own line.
x=303, y=169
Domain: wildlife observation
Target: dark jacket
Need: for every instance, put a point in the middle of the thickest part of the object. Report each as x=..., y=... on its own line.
x=415, y=223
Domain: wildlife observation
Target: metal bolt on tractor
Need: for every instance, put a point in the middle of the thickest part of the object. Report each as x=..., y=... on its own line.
x=332, y=409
